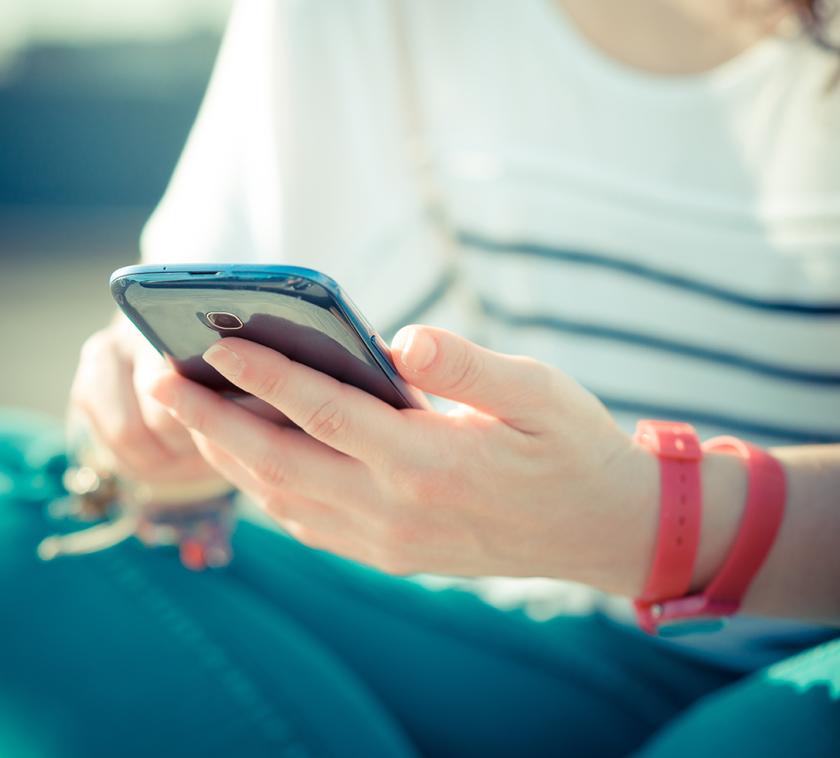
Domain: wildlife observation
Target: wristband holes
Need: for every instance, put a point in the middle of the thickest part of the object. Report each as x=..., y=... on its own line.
x=679, y=541
x=681, y=520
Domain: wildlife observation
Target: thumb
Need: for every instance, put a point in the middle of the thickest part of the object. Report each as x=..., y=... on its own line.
x=512, y=388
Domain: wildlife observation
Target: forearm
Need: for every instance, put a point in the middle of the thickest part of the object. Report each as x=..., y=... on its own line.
x=801, y=576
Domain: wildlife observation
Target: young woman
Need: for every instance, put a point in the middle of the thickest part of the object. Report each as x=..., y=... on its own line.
x=642, y=197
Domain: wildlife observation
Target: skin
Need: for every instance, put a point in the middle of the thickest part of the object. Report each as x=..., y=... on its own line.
x=529, y=477
x=674, y=37
x=110, y=392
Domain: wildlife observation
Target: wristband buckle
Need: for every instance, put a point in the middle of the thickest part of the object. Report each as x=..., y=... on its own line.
x=675, y=441
x=685, y=615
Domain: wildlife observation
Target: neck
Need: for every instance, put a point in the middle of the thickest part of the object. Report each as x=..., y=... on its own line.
x=674, y=36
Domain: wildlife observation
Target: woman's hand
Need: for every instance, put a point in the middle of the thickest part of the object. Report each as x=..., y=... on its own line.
x=134, y=434
x=529, y=476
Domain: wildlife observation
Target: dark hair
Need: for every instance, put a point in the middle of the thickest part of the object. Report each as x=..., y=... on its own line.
x=816, y=16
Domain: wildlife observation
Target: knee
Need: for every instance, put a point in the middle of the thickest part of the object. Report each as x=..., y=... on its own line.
x=790, y=709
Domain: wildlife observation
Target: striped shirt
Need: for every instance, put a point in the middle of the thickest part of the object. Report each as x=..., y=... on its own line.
x=673, y=243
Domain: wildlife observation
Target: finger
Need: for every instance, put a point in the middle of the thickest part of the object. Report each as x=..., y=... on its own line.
x=103, y=390
x=262, y=409
x=148, y=367
x=339, y=415
x=511, y=388
x=181, y=468
x=228, y=467
x=279, y=457
x=282, y=506
x=331, y=542
x=309, y=521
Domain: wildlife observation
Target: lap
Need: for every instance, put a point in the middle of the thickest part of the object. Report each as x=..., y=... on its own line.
x=790, y=708
x=290, y=651
x=289, y=648
x=127, y=653
x=464, y=677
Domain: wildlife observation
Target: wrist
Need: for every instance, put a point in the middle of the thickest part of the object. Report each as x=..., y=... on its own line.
x=628, y=538
x=718, y=519
x=631, y=534
x=724, y=490
x=724, y=483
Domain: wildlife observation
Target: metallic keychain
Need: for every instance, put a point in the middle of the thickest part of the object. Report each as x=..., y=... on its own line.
x=197, y=517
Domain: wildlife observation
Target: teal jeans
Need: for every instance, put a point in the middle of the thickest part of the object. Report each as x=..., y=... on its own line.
x=293, y=652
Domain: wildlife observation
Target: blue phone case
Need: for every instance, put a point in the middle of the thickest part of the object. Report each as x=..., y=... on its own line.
x=183, y=309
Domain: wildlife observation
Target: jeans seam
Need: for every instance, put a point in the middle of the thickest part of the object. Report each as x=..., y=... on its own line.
x=182, y=626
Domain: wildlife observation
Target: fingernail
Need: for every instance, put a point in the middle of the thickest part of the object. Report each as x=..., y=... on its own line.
x=420, y=350
x=224, y=360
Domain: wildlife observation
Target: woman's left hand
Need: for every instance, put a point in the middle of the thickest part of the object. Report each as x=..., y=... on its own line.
x=529, y=476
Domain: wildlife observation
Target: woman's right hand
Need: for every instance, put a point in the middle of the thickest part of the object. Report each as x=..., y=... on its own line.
x=135, y=434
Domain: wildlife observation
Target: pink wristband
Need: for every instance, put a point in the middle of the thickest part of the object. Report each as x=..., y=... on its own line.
x=678, y=449
x=763, y=514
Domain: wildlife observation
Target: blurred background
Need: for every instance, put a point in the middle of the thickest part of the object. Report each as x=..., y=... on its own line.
x=96, y=100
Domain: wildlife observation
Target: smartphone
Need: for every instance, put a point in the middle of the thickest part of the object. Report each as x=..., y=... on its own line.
x=303, y=314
